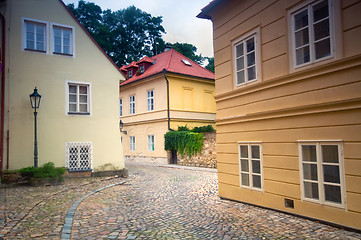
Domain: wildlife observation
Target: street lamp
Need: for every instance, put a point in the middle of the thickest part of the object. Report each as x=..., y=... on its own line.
x=35, y=102
x=121, y=125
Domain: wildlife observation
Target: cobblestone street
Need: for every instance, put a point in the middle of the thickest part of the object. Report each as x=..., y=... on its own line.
x=154, y=203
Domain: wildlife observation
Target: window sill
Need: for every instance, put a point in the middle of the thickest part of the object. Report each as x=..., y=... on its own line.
x=34, y=50
x=63, y=54
x=78, y=113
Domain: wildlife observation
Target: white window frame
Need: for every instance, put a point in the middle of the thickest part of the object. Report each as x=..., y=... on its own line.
x=150, y=100
x=257, y=50
x=320, y=181
x=89, y=96
x=250, y=171
x=120, y=106
x=46, y=29
x=79, y=164
x=71, y=41
x=333, y=5
x=132, y=104
x=151, y=143
x=132, y=143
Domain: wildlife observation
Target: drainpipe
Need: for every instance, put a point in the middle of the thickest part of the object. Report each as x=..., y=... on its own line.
x=166, y=79
x=2, y=96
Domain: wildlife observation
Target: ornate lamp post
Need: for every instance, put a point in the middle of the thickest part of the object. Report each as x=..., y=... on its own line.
x=35, y=103
x=121, y=125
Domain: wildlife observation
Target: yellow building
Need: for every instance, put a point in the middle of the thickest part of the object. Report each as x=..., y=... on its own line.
x=144, y=107
x=43, y=46
x=288, y=97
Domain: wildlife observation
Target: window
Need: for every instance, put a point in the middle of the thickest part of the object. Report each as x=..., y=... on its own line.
x=78, y=98
x=130, y=73
x=150, y=100
x=132, y=104
x=78, y=156
x=150, y=143
x=250, y=162
x=245, y=52
x=35, y=35
x=132, y=143
x=121, y=107
x=141, y=68
x=62, y=40
x=312, y=29
x=322, y=177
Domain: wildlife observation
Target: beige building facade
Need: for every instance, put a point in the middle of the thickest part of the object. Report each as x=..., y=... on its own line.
x=43, y=46
x=288, y=97
x=144, y=103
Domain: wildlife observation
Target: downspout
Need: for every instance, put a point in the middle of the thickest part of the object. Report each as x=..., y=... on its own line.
x=168, y=113
x=2, y=96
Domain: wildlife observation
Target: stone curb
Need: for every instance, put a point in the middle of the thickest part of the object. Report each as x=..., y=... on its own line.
x=69, y=218
x=176, y=166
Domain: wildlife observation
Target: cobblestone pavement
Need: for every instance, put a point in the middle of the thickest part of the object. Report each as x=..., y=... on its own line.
x=157, y=203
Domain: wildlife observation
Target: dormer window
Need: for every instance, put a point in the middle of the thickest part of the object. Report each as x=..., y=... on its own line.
x=141, y=68
x=130, y=73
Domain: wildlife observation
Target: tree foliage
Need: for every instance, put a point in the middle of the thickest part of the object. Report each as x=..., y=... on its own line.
x=125, y=35
x=185, y=142
x=210, y=65
x=188, y=50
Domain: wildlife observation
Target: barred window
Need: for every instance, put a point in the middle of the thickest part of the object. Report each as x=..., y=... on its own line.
x=78, y=156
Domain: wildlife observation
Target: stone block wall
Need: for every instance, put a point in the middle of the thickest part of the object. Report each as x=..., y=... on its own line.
x=207, y=158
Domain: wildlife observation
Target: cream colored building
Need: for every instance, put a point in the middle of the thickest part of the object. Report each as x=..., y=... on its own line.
x=288, y=97
x=43, y=46
x=144, y=102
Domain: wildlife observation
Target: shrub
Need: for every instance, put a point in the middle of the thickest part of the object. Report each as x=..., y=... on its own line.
x=48, y=170
x=203, y=129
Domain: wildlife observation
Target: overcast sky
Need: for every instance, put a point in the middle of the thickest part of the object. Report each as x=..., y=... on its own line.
x=179, y=19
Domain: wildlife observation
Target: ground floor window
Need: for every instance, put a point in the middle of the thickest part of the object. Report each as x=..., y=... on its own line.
x=132, y=143
x=151, y=143
x=78, y=156
x=250, y=165
x=321, y=172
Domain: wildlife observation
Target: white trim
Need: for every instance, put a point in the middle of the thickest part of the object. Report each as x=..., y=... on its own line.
x=89, y=98
x=250, y=172
x=150, y=98
x=320, y=176
x=130, y=105
x=153, y=143
x=131, y=143
x=23, y=35
x=257, y=38
x=72, y=41
x=335, y=48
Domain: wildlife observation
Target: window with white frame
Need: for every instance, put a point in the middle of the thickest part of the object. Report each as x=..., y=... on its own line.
x=150, y=100
x=321, y=172
x=250, y=165
x=312, y=33
x=246, y=54
x=132, y=143
x=151, y=143
x=121, y=107
x=132, y=104
x=35, y=35
x=78, y=98
x=78, y=156
x=62, y=40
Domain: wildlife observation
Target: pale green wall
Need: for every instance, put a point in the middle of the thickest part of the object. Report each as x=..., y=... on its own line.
x=49, y=74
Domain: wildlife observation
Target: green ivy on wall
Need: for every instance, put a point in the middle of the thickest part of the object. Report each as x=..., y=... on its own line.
x=185, y=142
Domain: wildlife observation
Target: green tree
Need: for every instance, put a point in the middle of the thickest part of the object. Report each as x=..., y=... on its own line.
x=125, y=35
x=210, y=65
x=188, y=50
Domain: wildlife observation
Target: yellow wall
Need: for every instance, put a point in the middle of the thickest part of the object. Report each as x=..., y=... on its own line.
x=318, y=102
x=195, y=109
x=49, y=74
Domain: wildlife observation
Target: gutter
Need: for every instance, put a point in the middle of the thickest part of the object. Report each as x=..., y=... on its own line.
x=168, y=113
x=2, y=96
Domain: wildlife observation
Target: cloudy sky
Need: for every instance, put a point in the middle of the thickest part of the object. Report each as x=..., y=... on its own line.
x=179, y=19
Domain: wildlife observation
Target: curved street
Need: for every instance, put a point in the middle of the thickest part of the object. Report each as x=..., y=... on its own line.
x=156, y=202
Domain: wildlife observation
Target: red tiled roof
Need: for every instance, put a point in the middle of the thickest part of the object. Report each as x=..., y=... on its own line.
x=172, y=61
